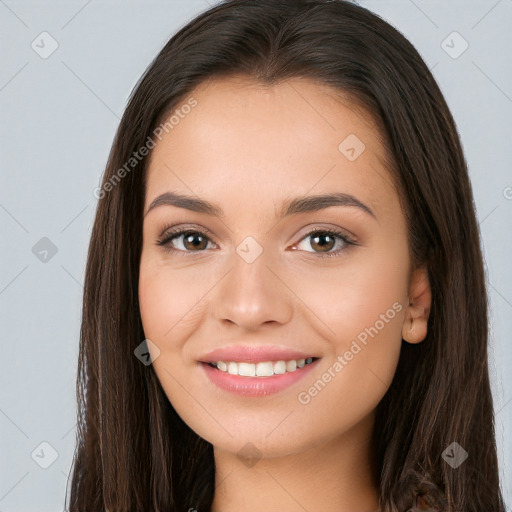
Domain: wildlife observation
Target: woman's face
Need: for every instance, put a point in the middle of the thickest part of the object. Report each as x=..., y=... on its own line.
x=269, y=273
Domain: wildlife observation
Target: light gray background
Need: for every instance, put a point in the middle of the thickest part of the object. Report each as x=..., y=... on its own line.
x=58, y=118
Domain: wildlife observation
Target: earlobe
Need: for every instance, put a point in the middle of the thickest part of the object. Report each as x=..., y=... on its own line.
x=414, y=329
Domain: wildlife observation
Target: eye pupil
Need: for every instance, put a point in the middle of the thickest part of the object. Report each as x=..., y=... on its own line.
x=323, y=247
x=192, y=238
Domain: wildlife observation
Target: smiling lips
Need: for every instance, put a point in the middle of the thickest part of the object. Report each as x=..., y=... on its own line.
x=256, y=371
x=254, y=354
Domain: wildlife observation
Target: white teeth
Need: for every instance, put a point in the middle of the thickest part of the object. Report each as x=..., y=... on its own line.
x=246, y=369
x=291, y=366
x=279, y=367
x=263, y=369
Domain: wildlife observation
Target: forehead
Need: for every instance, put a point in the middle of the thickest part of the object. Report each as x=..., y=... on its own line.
x=272, y=140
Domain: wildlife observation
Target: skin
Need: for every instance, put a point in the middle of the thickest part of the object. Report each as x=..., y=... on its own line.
x=248, y=148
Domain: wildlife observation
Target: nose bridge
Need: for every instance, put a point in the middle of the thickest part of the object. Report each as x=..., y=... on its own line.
x=251, y=295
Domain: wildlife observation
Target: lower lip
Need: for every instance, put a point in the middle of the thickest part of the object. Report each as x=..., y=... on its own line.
x=256, y=386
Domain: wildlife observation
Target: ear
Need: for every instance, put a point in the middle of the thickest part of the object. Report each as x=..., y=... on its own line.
x=414, y=329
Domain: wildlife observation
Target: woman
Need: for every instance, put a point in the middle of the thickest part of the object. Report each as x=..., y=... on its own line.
x=327, y=347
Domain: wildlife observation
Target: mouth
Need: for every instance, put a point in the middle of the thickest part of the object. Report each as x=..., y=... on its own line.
x=258, y=379
x=261, y=369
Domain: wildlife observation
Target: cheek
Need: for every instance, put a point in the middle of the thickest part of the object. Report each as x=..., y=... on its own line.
x=354, y=295
x=169, y=300
x=157, y=306
x=361, y=308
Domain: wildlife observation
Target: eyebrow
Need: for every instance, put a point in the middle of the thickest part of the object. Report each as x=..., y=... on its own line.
x=297, y=205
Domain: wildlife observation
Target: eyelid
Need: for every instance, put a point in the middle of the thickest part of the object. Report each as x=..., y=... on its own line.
x=330, y=229
x=179, y=227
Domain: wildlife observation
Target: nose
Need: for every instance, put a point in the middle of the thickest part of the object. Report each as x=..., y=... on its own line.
x=252, y=294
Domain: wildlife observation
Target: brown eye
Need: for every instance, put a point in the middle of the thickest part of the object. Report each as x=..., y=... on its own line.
x=185, y=241
x=193, y=240
x=324, y=241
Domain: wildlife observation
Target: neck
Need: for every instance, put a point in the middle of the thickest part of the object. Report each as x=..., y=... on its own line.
x=337, y=474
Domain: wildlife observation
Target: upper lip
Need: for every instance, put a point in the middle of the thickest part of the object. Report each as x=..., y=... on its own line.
x=253, y=354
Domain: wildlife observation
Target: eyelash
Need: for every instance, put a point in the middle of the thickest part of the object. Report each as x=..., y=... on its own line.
x=167, y=237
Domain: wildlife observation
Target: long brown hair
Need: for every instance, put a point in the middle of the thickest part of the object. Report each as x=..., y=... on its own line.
x=133, y=452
